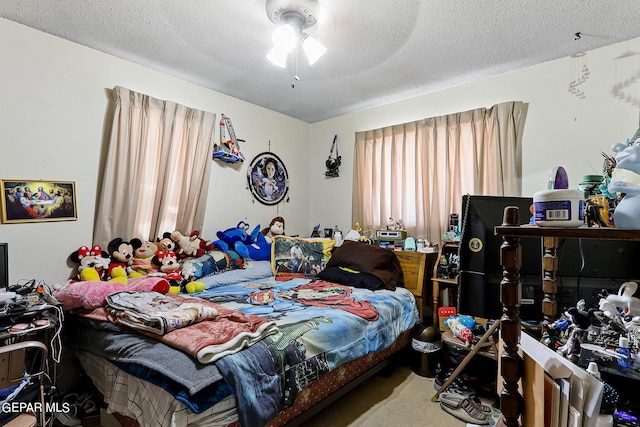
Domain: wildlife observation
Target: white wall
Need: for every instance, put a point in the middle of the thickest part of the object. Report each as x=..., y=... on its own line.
x=52, y=108
x=53, y=102
x=560, y=129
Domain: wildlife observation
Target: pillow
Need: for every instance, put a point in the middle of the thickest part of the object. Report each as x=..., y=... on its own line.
x=92, y=294
x=348, y=277
x=380, y=262
x=312, y=256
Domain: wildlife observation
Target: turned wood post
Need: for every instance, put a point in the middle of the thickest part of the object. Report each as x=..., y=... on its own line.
x=511, y=363
x=549, y=284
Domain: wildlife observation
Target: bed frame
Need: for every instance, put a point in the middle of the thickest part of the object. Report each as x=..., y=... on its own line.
x=324, y=391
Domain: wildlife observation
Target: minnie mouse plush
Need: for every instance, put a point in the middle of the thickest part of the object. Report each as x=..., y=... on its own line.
x=170, y=267
x=91, y=258
x=168, y=264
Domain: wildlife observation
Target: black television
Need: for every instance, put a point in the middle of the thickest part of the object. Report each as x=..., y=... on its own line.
x=4, y=266
x=480, y=270
x=587, y=266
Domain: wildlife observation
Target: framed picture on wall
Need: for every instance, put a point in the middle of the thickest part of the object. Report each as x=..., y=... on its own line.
x=38, y=201
x=268, y=179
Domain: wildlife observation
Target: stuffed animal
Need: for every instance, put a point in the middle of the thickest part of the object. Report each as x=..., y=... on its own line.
x=276, y=228
x=166, y=244
x=625, y=301
x=169, y=267
x=625, y=178
x=459, y=330
x=260, y=250
x=237, y=239
x=90, y=274
x=121, y=254
x=143, y=253
x=94, y=258
x=213, y=262
x=190, y=246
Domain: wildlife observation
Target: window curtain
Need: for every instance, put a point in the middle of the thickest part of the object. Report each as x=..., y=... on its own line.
x=417, y=172
x=156, y=168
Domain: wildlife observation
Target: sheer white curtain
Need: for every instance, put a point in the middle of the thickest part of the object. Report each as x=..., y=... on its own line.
x=419, y=171
x=156, y=168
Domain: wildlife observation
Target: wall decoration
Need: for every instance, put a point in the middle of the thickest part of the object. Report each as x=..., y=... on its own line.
x=38, y=201
x=229, y=149
x=579, y=72
x=268, y=179
x=333, y=163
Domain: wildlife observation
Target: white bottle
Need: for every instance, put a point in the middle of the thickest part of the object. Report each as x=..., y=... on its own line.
x=623, y=350
x=593, y=369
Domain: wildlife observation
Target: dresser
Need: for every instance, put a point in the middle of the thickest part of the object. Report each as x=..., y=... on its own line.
x=511, y=401
x=416, y=270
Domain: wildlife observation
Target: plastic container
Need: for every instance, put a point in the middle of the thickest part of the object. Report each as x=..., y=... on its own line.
x=558, y=208
x=590, y=185
x=623, y=349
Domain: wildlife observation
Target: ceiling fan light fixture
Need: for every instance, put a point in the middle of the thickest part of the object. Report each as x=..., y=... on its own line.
x=292, y=18
x=278, y=57
x=284, y=38
x=313, y=49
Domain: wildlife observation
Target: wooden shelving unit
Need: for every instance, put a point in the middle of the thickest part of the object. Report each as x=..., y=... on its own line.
x=511, y=398
x=442, y=279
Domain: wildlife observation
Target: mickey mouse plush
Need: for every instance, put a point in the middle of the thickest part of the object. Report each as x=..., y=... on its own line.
x=121, y=253
x=93, y=258
x=165, y=243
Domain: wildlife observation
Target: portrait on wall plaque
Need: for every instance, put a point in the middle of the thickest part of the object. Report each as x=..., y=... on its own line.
x=38, y=201
x=268, y=179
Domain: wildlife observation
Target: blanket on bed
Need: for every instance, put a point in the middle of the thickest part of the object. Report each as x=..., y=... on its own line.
x=211, y=339
x=321, y=325
x=154, y=312
x=317, y=326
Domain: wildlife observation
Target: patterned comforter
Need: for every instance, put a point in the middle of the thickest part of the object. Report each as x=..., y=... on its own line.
x=320, y=326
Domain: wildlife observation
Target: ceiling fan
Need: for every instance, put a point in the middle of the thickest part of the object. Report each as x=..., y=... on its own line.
x=292, y=17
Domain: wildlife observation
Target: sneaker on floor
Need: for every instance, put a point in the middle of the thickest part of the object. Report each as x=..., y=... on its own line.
x=456, y=386
x=454, y=399
x=466, y=411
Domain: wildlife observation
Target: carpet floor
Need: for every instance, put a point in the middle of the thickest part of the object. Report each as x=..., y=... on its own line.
x=400, y=399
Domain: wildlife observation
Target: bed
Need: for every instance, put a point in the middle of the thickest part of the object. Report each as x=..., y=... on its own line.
x=305, y=340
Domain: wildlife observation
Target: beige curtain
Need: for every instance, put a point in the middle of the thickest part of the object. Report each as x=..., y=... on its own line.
x=419, y=171
x=156, y=170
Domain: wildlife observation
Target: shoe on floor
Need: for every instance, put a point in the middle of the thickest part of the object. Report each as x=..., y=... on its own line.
x=454, y=399
x=466, y=411
x=456, y=386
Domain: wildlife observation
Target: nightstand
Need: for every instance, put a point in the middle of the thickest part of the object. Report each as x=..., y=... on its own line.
x=416, y=270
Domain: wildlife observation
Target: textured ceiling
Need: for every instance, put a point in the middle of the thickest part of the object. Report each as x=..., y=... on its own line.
x=379, y=51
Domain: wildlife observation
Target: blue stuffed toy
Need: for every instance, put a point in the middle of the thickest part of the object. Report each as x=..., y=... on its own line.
x=248, y=245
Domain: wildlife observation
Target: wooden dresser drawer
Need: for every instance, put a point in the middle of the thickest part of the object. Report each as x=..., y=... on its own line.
x=413, y=269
